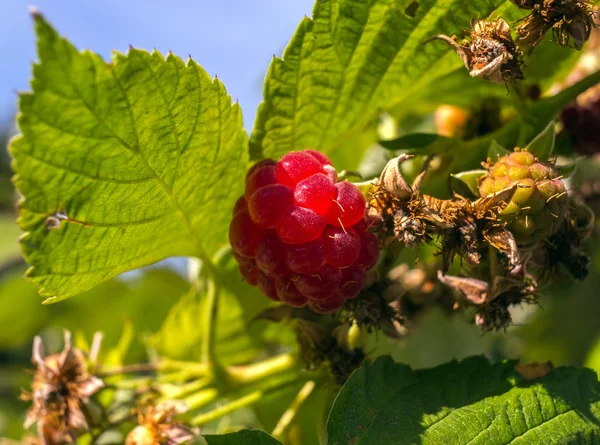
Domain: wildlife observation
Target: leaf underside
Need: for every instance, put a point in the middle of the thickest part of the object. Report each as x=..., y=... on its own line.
x=470, y=402
x=121, y=164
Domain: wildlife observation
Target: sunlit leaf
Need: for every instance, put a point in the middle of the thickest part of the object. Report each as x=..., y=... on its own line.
x=467, y=402
x=122, y=164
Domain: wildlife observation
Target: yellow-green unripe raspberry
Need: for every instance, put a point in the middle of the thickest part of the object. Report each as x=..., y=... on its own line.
x=539, y=204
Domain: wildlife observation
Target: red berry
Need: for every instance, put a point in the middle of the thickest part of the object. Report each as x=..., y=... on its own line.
x=244, y=236
x=269, y=203
x=294, y=167
x=321, y=284
x=341, y=247
x=288, y=293
x=330, y=304
x=250, y=273
x=353, y=281
x=323, y=160
x=316, y=193
x=305, y=258
x=240, y=206
x=267, y=286
x=258, y=165
x=270, y=255
x=348, y=207
x=299, y=236
x=263, y=175
x=299, y=225
x=369, y=251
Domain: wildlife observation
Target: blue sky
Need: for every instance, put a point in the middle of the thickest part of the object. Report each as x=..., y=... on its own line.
x=234, y=39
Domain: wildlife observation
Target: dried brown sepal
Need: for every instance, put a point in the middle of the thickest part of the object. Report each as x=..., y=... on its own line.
x=493, y=301
x=157, y=426
x=489, y=52
x=60, y=393
x=569, y=20
x=503, y=241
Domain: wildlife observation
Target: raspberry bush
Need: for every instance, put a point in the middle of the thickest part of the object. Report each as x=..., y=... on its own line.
x=365, y=232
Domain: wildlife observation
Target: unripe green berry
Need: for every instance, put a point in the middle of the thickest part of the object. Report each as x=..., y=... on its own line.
x=539, y=203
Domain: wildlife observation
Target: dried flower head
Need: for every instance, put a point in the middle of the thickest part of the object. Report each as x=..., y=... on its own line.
x=157, y=426
x=568, y=19
x=61, y=388
x=493, y=301
x=489, y=52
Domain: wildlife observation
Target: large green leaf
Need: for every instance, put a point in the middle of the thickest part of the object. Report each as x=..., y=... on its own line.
x=131, y=161
x=350, y=62
x=244, y=437
x=468, y=402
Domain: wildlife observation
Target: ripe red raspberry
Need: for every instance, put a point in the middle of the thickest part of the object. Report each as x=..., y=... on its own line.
x=300, y=236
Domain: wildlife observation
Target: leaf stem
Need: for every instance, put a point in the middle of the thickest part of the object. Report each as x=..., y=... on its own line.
x=290, y=413
x=242, y=402
x=261, y=370
x=210, y=324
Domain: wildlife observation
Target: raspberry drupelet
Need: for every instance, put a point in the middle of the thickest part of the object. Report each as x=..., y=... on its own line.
x=300, y=236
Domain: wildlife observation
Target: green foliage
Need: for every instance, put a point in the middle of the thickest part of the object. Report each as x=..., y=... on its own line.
x=543, y=144
x=244, y=437
x=468, y=402
x=349, y=63
x=123, y=164
x=181, y=335
x=135, y=161
x=466, y=184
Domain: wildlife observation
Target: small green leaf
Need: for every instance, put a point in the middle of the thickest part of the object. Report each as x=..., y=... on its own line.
x=122, y=164
x=244, y=437
x=413, y=141
x=467, y=183
x=568, y=170
x=496, y=151
x=543, y=144
x=387, y=403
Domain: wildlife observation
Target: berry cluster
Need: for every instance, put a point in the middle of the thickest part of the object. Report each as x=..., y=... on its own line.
x=539, y=204
x=299, y=235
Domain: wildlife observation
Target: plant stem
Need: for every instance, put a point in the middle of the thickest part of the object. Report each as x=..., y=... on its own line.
x=261, y=370
x=128, y=369
x=291, y=412
x=209, y=325
x=201, y=398
x=193, y=368
x=244, y=401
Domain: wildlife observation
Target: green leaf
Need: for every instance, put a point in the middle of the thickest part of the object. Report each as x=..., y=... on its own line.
x=181, y=335
x=413, y=141
x=569, y=169
x=352, y=61
x=496, y=151
x=131, y=162
x=468, y=402
x=466, y=183
x=244, y=437
x=543, y=144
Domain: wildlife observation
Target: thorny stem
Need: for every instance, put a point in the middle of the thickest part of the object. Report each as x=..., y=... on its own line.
x=293, y=409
